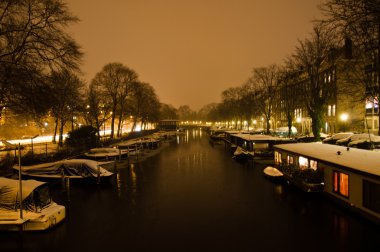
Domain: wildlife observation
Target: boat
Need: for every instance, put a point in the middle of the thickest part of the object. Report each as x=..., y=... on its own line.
x=349, y=176
x=242, y=155
x=68, y=168
x=259, y=146
x=105, y=153
x=38, y=212
x=132, y=147
x=273, y=172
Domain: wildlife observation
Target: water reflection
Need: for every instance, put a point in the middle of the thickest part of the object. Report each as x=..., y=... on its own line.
x=190, y=196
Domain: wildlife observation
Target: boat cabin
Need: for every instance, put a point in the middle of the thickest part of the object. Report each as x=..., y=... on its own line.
x=349, y=175
x=259, y=145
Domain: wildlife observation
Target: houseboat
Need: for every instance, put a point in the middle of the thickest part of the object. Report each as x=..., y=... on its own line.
x=349, y=175
x=259, y=146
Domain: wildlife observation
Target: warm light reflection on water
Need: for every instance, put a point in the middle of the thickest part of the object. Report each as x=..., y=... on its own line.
x=191, y=195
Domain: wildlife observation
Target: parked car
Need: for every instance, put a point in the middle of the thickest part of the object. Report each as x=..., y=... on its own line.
x=332, y=139
x=354, y=137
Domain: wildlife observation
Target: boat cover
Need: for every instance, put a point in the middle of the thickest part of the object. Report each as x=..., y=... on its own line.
x=9, y=192
x=67, y=167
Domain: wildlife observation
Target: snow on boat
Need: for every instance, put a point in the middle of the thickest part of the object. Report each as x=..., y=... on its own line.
x=105, y=153
x=68, y=168
x=39, y=212
x=272, y=172
x=241, y=154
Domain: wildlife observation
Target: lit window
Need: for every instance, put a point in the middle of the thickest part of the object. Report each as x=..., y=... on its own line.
x=333, y=110
x=329, y=110
x=277, y=157
x=303, y=163
x=313, y=164
x=341, y=181
x=290, y=160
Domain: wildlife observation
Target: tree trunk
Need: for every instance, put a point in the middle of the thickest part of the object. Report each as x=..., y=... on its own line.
x=119, y=125
x=317, y=121
x=289, y=117
x=60, y=141
x=55, y=129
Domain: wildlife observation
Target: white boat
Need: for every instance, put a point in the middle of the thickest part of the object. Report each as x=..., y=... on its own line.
x=272, y=172
x=39, y=212
x=68, y=168
x=105, y=153
x=242, y=155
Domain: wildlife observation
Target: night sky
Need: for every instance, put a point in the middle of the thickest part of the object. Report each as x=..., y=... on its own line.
x=190, y=50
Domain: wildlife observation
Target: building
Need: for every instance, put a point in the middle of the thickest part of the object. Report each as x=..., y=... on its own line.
x=168, y=125
x=342, y=85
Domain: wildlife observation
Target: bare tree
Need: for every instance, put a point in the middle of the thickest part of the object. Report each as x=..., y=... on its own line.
x=310, y=55
x=144, y=102
x=266, y=82
x=97, y=110
x=66, y=92
x=126, y=86
x=232, y=104
x=168, y=111
x=186, y=113
x=360, y=21
x=111, y=82
x=33, y=38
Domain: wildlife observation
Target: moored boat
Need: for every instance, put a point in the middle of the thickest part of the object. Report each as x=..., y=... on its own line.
x=68, y=168
x=38, y=211
x=106, y=153
x=350, y=176
x=272, y=172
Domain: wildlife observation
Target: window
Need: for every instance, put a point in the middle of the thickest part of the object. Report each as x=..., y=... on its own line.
x=277, y=157
x=329, y=110
x=303, y=163
x=290, y=160
x=313, y=164
x=372, y=105
x=333, y=110
x=341, y=183
x=371, y=192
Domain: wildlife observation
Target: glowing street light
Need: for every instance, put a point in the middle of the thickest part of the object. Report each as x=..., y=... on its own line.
x=344, y=117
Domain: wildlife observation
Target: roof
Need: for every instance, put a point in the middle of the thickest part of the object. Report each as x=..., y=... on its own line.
x=258, y=137
x=9, y=189
x=361, y=160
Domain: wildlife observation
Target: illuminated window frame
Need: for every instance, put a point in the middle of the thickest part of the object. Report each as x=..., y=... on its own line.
x=303, y=163
x=290, y=159
x=341, y=183
x=277, y=157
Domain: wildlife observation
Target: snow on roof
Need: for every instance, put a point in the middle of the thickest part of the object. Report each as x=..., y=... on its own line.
x=258, y=137
x=9, y=190
x=358, y=159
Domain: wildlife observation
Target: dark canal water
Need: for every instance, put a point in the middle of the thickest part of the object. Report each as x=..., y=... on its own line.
x=192, y=196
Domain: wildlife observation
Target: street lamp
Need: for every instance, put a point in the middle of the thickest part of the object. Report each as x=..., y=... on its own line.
x=344, y=117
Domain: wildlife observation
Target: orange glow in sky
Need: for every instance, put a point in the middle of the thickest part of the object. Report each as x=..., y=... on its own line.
x=190, y=50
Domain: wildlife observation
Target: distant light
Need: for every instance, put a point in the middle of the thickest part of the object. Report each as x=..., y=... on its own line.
x=344, y=117
x=298, y=119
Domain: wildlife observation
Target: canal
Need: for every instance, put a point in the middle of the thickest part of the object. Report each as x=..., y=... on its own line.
x=192, y=196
